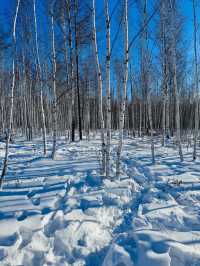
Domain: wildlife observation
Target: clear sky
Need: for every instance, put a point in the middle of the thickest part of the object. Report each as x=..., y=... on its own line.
x=7, y=9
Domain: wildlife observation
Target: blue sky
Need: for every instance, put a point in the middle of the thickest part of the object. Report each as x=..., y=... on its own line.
x=7, y=9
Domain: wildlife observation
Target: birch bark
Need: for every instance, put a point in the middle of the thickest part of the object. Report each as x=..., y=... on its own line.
x=39, y=79
x=8, y=134
x=149, y=104
x=71, y=72
x=108, y=92
x=54, y=115
x=123, y=107
x=176, y=92
x=196, y=79
x=100, y=90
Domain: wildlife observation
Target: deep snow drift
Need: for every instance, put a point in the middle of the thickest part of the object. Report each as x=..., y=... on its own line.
x=63, y=212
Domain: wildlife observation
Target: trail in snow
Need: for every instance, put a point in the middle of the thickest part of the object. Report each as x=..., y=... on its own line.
x=63, y=212
x=158, y=227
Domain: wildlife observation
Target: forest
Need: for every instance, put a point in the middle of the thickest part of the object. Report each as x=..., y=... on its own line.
x=99, y=133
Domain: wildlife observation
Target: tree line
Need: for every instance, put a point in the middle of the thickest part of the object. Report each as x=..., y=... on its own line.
x=72, y=65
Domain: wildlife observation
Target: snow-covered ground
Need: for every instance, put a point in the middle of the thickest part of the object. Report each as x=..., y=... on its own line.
x=63, y=212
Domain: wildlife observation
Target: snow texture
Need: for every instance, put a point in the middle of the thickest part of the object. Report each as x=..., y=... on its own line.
x=63, y=212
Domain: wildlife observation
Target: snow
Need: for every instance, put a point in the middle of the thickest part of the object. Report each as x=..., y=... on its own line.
x=63, y=212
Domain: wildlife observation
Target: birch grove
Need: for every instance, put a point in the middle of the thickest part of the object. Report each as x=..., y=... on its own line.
x=79, y=70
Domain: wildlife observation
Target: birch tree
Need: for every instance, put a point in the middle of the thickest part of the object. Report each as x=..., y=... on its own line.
x=77, y=68
x=64, y=31
x=54, y=115
x=165, y=43
x=99, y=78
x=175, y=87
x=196, y=82
x=71, y=73
x=149, y=104
x=146, y=79
x=123, y=104
x=39, y=73
x=108, y=91
x=8, y=133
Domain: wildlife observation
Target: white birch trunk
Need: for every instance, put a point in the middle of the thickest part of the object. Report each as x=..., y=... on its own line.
x=108, y=92
x=140, y=125
x=165, y=110
x=64, y=29
x=102, y=125
x=39, y=77
x=163, y=120
x=176, y=93
x=54, y=115
x=5, y=163
x=88, y=112
x=163, y=73
x=165, y=107
x=151, y=126
x=123, y=107
x=71, y=73
x=196, y=79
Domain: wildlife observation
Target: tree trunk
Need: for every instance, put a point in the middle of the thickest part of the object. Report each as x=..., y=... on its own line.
x=8, y=134
x=99, y=76
x=196, y=90
x=71, y=70
x=122, y=114
x=176, y=93
x=54, y=114
x=39, y=73
x=151, y=126
x=77, y=73
x=108, y=92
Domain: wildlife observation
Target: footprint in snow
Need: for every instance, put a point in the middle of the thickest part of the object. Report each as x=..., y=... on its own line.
x=57, y=223
x=9, y=240
x=31, y=194
x=35, y=201
x=160, y=247
x=25, y=235
x=46, y=210
x=3, y=254
x=21, y=215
